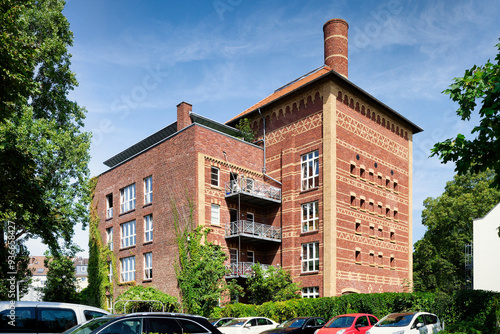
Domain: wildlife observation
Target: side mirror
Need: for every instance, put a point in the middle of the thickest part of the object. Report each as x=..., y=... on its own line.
x=419, y=325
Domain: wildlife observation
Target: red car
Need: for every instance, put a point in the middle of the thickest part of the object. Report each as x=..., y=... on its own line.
x=354, y=323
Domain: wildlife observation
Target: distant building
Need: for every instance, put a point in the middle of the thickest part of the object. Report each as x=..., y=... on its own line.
x=486, y=249
x=39, y=279
x=324, y=191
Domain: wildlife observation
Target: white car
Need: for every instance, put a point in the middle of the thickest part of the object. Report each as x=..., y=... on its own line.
x=248, y=325
x=407, y=323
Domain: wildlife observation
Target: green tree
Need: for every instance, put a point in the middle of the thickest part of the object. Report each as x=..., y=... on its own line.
x=246, y=130
x=439, y=258
x=478, y=89
x=139, y=292
x=200, y=271
x=43, y=152
x=271, y=284
x=61, y=281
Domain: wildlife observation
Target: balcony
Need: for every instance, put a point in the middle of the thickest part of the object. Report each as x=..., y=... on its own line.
x=252, y=192
x=251, y=231
x=242, y=269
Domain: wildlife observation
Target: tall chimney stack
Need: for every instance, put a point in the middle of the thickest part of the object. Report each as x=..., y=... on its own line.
x=183, y=118
x=335, y=34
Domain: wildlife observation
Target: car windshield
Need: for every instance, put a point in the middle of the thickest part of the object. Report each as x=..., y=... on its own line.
x=236, y=323
x=340, y=322
x=292, y=323
x=89, y=326
x=396, y=320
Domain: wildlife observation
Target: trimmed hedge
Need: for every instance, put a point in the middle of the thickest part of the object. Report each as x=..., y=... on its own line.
x=473, y=311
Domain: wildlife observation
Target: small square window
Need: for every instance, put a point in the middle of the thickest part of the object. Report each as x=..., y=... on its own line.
x=310, y=292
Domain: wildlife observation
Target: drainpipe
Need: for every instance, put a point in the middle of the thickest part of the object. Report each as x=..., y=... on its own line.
x=264, y=141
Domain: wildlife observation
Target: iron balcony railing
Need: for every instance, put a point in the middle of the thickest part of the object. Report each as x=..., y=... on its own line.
x=253, y=229
x=252, y=187
x=243, y=269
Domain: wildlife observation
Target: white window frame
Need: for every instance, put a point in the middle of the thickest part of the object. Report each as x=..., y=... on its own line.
x=310, y=170
x=148, y=228
x=214, y=176
x=148, y=266
x=311, y=220
x=310, y=292
x=215, y=214
x=127, y=198
x=109, y=205
x=310, y=257
x=250, y=258
x=109, y=238
x=128, y=234
x=148, y=190
x=127, y=266
x=110, y=275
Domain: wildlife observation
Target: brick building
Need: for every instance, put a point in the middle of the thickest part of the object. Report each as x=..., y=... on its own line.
x=325, y=191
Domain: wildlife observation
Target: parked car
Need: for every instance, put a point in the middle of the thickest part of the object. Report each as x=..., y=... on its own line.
x=300, y=325
x=248, y=325
x=44, y=317
x=353, y=323
x=406, y=323
x=217, y=322
x=147, y=323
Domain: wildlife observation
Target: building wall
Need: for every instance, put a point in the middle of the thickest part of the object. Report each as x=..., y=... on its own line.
x=486, y=247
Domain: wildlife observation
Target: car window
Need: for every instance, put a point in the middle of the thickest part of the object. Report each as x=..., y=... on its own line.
x=396, y=320
x=373, y=320
x=163, y=326
x=310, y=322
x=362, y=321
x=340, y=322
x=92, y=314
x=418, y=320
x=320, y=322
x=24, y=320
x=192, y=327
x=55, y=320
x=262, y=322
x=129, y=326
x=89, y=326
x=430, y=319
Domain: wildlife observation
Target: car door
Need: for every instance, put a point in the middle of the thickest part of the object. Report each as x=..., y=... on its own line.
x=261, y=324
x=362, y=324
x=418, y=326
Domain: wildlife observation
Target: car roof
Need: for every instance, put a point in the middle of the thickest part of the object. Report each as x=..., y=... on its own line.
x=353, y=314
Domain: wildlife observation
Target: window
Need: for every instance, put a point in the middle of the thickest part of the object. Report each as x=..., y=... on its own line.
x=128, y=269
x=310, y=216
x=250, y=257
x=357, y=256
x=362, y=203
x=353, y=199
x=109, y=238
x=372, y=231
x=396, y=214
x=388, y=211
x=110, y=275
x=250, y=217
x=371, y=175
x=395, y=185
x=127, y=198
x=214, y=176
x=387, y=182
x=358, y=227
x=310, y=292
x=372, y=258
x=148, y=265
x=109, y=206
x=353, y=168
x=392, y=262
x=362, y=172
x=310, y=257
x=380, y=260
x=310, y=170
x=379, y=179
x=148, y=190
x=24, y=320
x=54, y=320
x=215, y=214
x=380, y=233
x=164, y=325
x=362, y=321
x=371, y=207
x=393, y=236
x=148, y=228
x=128, y=234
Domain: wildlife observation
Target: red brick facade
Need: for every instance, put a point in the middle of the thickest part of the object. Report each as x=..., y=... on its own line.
x=346, y=229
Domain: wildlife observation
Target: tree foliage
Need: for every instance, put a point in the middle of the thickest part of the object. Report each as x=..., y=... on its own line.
x=271, y=284
x=61, y=281
x=478, y=89
x=43, y=152
x=139, y=292
x=200, y=271
x=246, y=130
x=439, y=257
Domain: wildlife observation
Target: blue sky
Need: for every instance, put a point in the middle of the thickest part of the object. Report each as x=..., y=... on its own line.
x=136, y=60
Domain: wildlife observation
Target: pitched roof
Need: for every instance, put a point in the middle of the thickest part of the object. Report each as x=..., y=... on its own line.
x=286, y=89
x=309, y=78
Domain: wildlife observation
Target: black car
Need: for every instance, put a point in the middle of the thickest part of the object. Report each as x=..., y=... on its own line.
x=300, y=325
x=147, y=322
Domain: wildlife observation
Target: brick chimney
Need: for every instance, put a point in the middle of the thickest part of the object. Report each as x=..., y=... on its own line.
x=335, y=34
x=183, y=118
